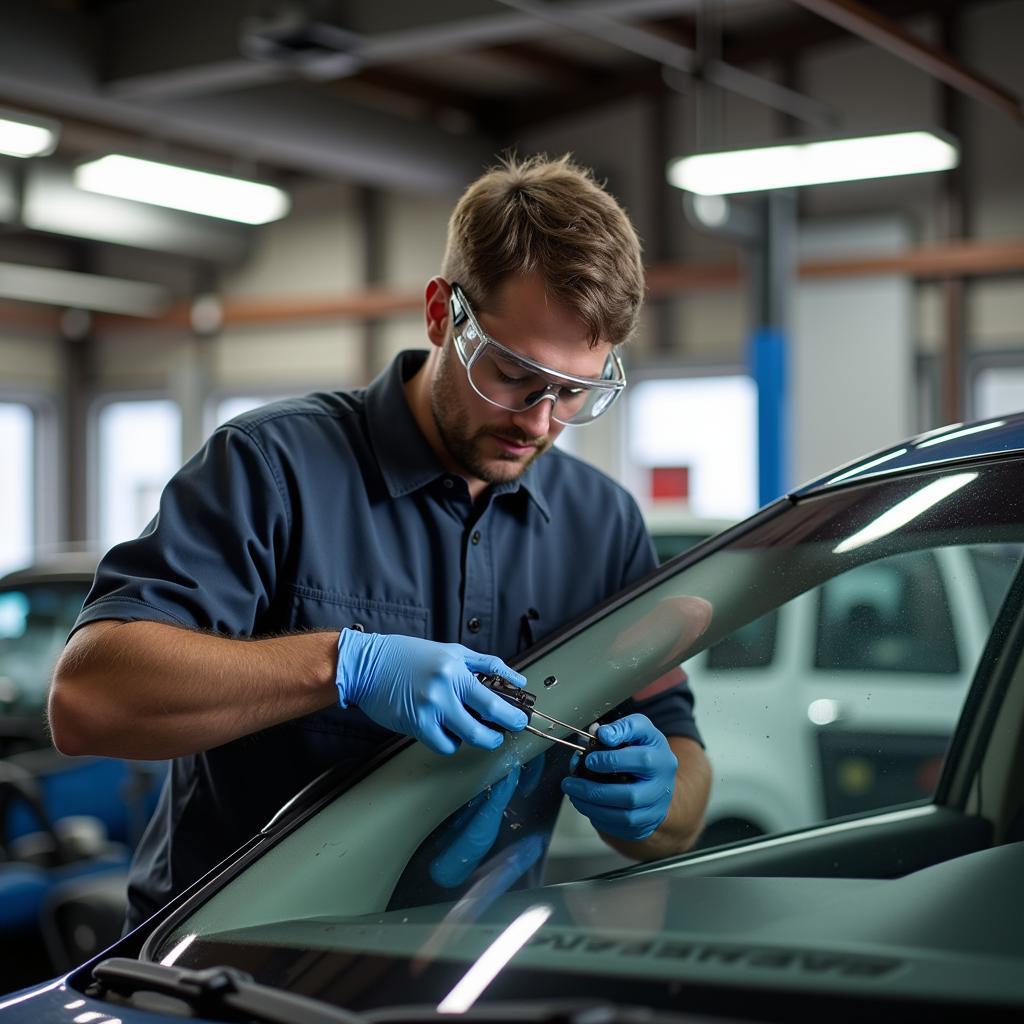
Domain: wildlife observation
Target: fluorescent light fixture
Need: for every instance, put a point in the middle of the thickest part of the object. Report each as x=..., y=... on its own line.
x=905, y=511
x=813, y=163
x=493, y=959
x=213, y=195
x=25, y=136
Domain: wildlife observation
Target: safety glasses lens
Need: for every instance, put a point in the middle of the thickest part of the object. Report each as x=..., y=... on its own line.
x=511, y=384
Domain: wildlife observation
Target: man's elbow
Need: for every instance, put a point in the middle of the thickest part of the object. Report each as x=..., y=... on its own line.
x=69, y=724
x=77, y=717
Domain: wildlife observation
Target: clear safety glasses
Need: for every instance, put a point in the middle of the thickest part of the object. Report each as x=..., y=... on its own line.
x=511, y=381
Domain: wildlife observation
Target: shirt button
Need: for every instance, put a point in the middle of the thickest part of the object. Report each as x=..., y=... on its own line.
x=448, y=482
x=476, y=537
x=473, y=625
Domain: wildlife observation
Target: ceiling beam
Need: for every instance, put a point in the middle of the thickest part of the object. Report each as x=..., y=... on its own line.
x=889, y=35
x=48, y=62
x=677, y=58
x=158, y=50
x=70, y=289
x=936, y=262
x=793, y=33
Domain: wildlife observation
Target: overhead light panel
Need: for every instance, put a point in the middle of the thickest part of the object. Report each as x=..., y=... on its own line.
x=813, y=163
x=213, y=195
x=25, y=136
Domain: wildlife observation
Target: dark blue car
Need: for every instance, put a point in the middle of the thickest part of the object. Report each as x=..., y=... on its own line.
x=433, y=886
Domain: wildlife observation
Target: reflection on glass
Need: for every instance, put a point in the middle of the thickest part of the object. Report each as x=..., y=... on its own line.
x=823, y=711
x=494, y=958
x=172, y=956
x=961, y=433
x=905, y=511
x=864, y=467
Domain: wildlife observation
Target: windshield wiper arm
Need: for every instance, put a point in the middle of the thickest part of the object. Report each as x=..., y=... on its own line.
x=224, y=992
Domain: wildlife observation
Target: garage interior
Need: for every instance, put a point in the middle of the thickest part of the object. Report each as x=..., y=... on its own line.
x=129, y=331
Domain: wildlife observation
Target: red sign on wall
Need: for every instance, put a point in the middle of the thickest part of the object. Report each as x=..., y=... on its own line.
x=670, y=483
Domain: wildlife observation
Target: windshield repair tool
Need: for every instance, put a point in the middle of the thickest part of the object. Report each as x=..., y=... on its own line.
x=526, y=702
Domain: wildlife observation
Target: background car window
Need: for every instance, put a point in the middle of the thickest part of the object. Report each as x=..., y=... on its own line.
x=853, y=709
x=34, y=624
x=994, y=567
x=888, y=616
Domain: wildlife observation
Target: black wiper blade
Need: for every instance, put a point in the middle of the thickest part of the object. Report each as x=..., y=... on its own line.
x=222, y=992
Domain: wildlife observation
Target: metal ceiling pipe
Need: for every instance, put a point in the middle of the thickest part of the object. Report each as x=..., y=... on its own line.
x=676, y=57
x=47, y=62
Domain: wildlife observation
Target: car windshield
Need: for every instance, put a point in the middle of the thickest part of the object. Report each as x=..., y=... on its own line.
x=35, y=620
x=830, y=644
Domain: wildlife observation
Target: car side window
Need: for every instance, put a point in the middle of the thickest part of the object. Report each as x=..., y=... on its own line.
x=994, y=566
x=34, y=624
x=887, y=616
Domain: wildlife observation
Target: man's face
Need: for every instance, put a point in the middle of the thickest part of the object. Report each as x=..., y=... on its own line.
x=492, y=444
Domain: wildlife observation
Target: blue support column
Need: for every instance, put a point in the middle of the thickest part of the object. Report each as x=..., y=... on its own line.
x=766, y=361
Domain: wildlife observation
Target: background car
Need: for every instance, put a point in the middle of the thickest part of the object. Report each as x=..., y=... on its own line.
x=874, y=665
x=904, y=912
x=67, y=825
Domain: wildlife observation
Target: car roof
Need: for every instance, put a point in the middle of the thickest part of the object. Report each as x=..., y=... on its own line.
x=73, y=566
x=956, y=442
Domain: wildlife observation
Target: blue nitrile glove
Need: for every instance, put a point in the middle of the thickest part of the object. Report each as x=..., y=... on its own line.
x=627, y=810
x=422, y=688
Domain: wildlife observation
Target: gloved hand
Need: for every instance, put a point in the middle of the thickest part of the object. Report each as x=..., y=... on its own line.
x=627, y=810
x=422, y=688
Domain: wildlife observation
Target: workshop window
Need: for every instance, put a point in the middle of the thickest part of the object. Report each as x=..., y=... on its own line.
x=17, y=439
x=693, y=440
x=139, y=449
x=998, y=390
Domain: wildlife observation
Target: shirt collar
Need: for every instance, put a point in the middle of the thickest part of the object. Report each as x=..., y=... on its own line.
x=406, y=460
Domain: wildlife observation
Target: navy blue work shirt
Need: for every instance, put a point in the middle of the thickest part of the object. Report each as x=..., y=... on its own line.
x=315, y=513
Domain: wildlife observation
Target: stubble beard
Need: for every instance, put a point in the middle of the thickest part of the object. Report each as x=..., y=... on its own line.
x=452, y=422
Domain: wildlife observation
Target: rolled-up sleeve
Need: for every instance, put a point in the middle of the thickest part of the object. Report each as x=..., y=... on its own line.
x=209, y=557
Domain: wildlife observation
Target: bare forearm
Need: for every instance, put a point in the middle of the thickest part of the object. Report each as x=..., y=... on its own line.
x=149, y=690
x=679, y=831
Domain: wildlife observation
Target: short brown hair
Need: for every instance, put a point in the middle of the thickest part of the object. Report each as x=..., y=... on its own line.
x=550, y=217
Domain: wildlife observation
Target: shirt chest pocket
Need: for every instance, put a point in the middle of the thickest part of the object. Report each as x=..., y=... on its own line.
x=334, y=734
x=327, y=609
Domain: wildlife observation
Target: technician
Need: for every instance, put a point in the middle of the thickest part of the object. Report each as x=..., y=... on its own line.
x=328, y=571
